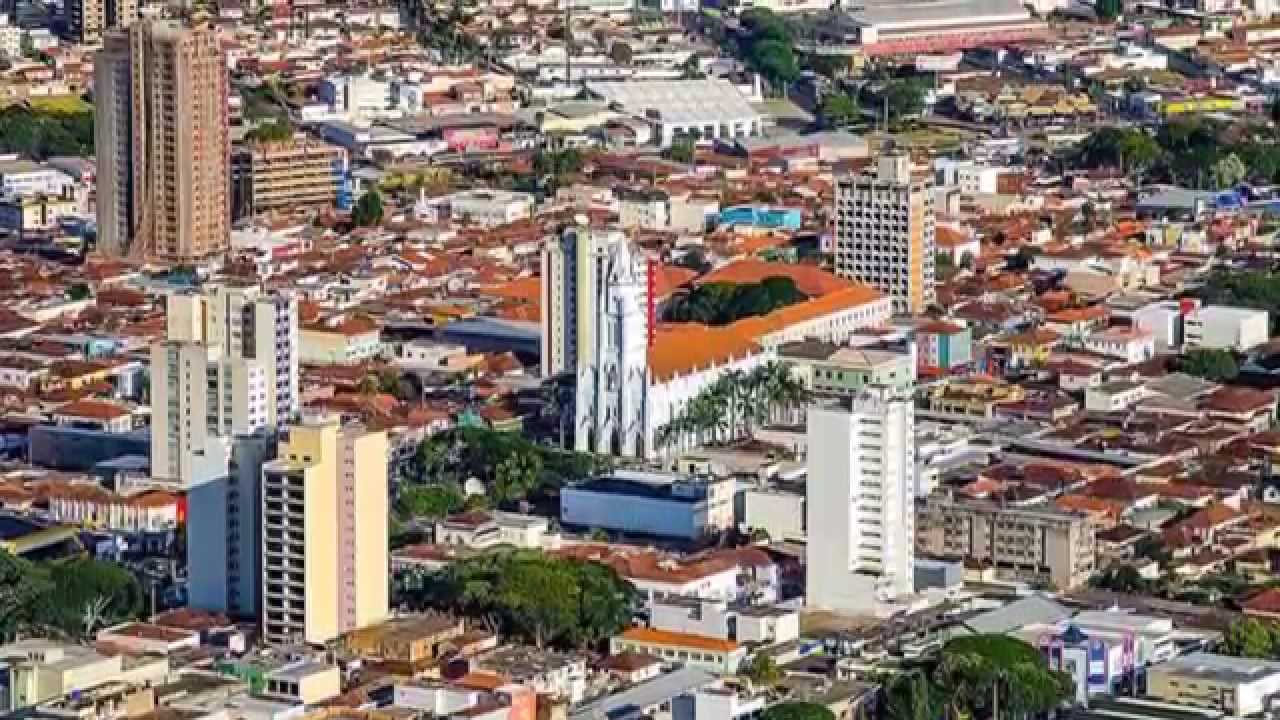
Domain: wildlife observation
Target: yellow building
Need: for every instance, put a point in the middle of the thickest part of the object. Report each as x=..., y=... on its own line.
x=324, y=532
x=975, y=397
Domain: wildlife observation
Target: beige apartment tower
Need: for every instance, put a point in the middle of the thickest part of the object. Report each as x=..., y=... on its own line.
x=324, y=533
x=884, y=231
x=89, y=19
x=162, y=142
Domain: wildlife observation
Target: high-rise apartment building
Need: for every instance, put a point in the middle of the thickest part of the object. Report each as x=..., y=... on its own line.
x=87, y=20
x=224, y=531
x=286, y=175
x=229, y=366
x=324, y=532
x=860, y=502
x=197, y=396
x=246, y=323
x=163, y=149
x=1041, y=544
x=884, y=231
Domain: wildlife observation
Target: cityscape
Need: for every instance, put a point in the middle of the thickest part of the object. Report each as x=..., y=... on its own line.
x=639, y=359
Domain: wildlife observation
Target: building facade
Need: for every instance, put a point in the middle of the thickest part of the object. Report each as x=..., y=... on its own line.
x=884, y=232
x=163, y=149
x=860, y=502
x=612, y=348
x=228, y=367
x=324, y=533
x=1027, y=544
x=285, y=176
x=224, y=533
x=89, y=19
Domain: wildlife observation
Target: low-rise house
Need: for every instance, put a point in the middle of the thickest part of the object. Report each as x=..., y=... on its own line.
x=1238, y=687
x=699, y=651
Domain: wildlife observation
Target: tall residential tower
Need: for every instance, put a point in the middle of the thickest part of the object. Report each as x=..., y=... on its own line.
x=324, y=533
x=860, y=500
x=884, y=231
x=163, y=148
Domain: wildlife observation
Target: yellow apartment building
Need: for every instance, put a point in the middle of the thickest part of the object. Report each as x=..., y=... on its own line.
x=324, y=532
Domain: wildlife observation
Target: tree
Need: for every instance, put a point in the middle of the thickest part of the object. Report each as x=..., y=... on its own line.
x=548, y=601
x=762, y=670
x=910, y=696
x=46, y=132
x=1211, y=364
x=905, y=97
x=1121, y=579
x=516, y=476
x=839, y=109
x=797, y=711
x=1228, y=171
x=1108, y=9
x=23, y=587
x=724, y=303
x=681, y=151
x=430, y=501
x=86, y=594
x=368, y=209
x=1250, y=638
x=775, y=60
x=78, y=291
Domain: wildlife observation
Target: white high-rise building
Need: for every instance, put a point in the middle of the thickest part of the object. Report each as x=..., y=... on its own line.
x=884, y=234
x=226, y=375
x=860, y=500
x=224, y=533
x=197, y=396
x=246, y=323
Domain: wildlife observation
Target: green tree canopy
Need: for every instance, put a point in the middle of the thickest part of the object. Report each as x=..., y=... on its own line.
x=1212, y=364
x=839, y=109
x=45, y=133
x=546, y=600
x=430, y=501
x=1108, y=9
x=368, y=210
x=511, y=466
x=86, y=595
x=1251, y=638
x=797, y=711
x=723, y=303
x=681, y=151
x=762, y=670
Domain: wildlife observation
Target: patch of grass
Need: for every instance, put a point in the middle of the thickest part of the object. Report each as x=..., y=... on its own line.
x=60, y=104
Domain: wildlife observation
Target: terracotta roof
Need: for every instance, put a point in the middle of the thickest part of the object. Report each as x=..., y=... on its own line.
x=1267, y=601
x=1234, y=399
x=670, y=277
x=677, y=639
x=349, y=326
x=477, y=680
x=809, y=279
x=95, y=409
x=630, y=661
x=682, y=349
